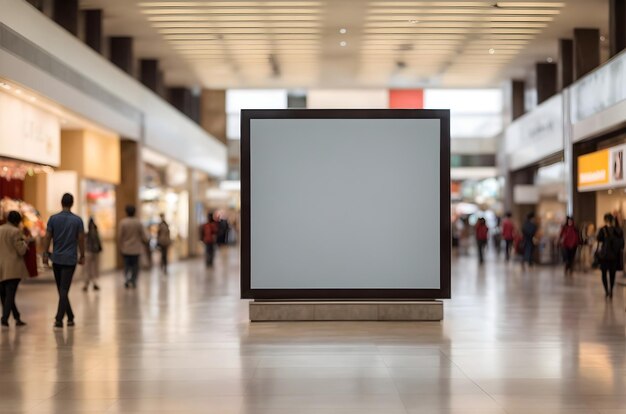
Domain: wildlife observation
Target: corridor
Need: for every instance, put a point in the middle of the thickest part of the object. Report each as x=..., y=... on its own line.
x=511, y=342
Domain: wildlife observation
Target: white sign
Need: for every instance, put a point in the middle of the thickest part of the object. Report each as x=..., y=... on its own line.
x=536, y=135
x=28, y=133
x=599, y=90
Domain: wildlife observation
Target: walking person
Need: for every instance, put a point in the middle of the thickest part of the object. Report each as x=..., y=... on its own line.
x=569, y=241
x=131, y=239
x=92, y=260
x=529, y=234
x=209, y=238
x=163, y=242
x=67, y=234
x=13, y=247
x=482, y=236
x=610, y=246
x=508, y=235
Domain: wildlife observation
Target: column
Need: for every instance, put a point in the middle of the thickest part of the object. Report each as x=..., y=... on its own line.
x=546, y=81
x=586, y=51
x=180, y=97
x=584, y=204
x=518, y=88
x=121, y=53
x=617, y=26
x=213, y=113
x=566, y=63
x=127, y=192
x=93, y=29
x=65, y=13
x=149, y=73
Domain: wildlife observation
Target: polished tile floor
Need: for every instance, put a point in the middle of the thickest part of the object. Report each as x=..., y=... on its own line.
x=511, y=342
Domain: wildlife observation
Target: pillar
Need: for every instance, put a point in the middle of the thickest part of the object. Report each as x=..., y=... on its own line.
x=182, y=99
x=127, y=192
x=65, y=13
x=149, y=73
x=586, y=51
x=213, y=113
x=584, y=204
x=93, y=29
x=520, y=177
x=617, y=26
x=518, y=88
x=546, y=81
x=565, y=63
x=121, y=53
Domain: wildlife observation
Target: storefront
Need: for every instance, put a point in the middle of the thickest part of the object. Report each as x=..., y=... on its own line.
x=537, y=176
x=598, y=110
x=164, y=190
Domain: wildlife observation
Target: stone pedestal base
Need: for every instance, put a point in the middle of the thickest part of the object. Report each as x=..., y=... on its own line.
x=273, y=311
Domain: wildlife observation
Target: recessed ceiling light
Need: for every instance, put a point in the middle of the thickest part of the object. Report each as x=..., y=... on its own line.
x=413, y=21
x=492, y=51
x=5, y=86
x=343, y=43
x=18, y=91
x=602, y=38
x=32, y=98
x=343, y=30
x=550, y=60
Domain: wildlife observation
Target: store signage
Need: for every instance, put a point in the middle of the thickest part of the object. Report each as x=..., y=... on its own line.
x=28, y=133
x=536, y=135
x=599, y=90
x=602, y=169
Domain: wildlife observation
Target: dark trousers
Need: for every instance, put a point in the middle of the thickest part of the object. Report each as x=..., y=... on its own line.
x=569, y=254
x=609, y=268
x=209, y=253
x=508, y=245
x=529, y=253
x=131, y=268
x=481, y=250
x=8, y=290
x=63, y=276
x=164, y=251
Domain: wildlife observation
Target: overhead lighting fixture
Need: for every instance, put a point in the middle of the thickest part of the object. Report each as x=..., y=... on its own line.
x=549, y=60
x=343, y=43
x=5, y=86
x=18, y=91
x=32, y=98
x=413, y=21
x=492, y=51
x=603, y=38
x=343, y=30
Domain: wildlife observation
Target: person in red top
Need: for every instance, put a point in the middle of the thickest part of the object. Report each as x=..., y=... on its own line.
x=508, y=234
x=569, y=240
x=482, y=235
x=208, y=233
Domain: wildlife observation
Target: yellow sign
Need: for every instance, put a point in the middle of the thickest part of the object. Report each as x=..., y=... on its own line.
x=594, y=169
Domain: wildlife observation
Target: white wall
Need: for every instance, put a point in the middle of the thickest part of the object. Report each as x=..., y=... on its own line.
x=348, y=99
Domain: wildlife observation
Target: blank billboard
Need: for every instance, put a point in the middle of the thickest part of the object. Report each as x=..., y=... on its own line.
x=345, y=204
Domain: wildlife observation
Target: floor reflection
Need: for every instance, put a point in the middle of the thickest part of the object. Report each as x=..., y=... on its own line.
x=511, y=342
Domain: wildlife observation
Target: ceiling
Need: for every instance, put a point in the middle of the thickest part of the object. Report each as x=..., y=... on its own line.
x=347, y=43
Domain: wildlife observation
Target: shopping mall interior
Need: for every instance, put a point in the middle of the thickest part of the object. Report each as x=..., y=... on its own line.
x=340, y=206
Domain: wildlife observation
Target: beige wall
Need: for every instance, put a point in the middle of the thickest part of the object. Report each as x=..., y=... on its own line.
x=91, y=154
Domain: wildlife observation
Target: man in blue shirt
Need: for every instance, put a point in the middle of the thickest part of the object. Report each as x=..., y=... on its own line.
x=67, y=234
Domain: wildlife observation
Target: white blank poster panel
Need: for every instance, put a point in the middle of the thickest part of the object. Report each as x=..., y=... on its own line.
x=345, y=203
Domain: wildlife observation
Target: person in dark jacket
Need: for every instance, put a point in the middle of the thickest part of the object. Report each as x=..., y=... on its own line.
x=529, y=233
x=482, y=236
x=610, y=245
x=93, y=247
x=569, y=240
x=508, y=234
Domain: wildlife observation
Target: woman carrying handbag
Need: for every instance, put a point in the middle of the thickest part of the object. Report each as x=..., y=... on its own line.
x=610, y=245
